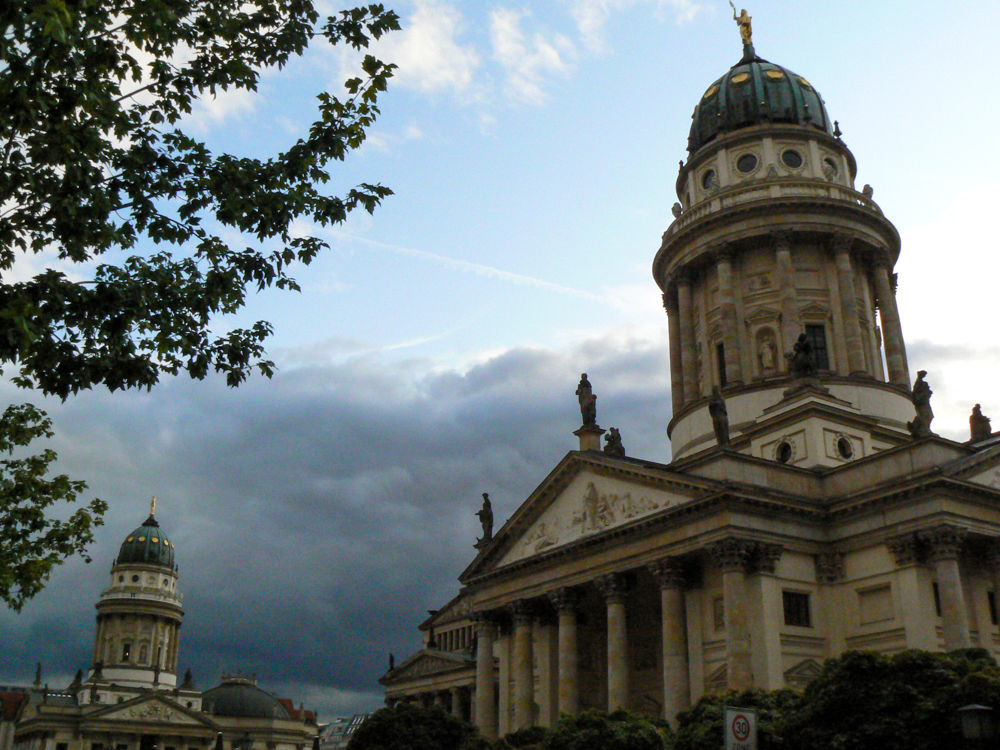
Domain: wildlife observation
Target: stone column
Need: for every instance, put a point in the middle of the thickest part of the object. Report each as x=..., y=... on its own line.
x=689, y=355
x=504, y=698
x=456, y=703
x=790, y=327
x=732, y=555
x=766, y=617
x=849, y=306
x=524, y=677
x=669, y=573
x=945, y=544
x=564, y=600
x=546, y=712
x=486, y=715
x=892, y=332
x=614, y=589
x=911, y=588
x=727, y=314
x=676, y=368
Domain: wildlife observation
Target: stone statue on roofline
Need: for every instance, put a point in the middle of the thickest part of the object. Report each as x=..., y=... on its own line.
x=588, y=401
x=979, y=424
x=614, y=446
x=720, y=417
x=920, y=425
x=802, y=360
x=485, y=515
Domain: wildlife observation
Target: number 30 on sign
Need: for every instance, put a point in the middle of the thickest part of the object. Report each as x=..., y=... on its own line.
x=740, y=728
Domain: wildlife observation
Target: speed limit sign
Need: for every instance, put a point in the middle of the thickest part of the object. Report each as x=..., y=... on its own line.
x=740, y=728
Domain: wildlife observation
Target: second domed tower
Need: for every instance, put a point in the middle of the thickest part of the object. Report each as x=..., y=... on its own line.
x=139, y=615
x=771, y=241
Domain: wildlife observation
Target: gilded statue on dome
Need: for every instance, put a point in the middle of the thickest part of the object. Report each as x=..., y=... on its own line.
x=743, y=21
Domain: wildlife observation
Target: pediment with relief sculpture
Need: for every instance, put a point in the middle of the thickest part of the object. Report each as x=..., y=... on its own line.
x=153, y=708
x=582, y=498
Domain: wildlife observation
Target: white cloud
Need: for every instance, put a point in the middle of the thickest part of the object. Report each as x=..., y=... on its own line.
x=429, y=54
x=526, y=61
x=591, y=16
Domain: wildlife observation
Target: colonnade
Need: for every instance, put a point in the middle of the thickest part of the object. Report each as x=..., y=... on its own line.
x=555, y=660
x=681, y=307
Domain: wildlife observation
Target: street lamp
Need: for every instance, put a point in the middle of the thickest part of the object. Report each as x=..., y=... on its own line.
x=977, y=725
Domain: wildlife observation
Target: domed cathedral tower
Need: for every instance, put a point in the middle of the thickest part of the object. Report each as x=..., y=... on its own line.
x=772, y=242
x=139, y=615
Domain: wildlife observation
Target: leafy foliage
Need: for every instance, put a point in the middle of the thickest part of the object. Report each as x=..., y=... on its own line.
x=596, y=730
x=33, y=544
x=701, y=727
x=416, y=728
x=98, y=173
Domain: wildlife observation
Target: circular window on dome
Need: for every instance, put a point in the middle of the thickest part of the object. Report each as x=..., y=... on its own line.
x=784, y=452
x=740, y=78
x=791, y=158
x=844, y=448
x=746, y=163
x=775, y=75
x=708, y=179
x=135, y=579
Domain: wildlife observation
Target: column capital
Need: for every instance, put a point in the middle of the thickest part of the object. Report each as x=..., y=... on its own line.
x=731, y=553
x=613, y=587
x=723, y=252
x=668, y=572
x=830, y=567
x=483, y=618
x=782, y=240
x=682, y=277
x=669, y=303
x=564, y=599
x=765, y=557
x=522, y=611
x=904, y=549
x=841, y=243
x=943, y=542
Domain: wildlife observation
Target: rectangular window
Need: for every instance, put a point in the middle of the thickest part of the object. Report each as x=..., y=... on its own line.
x=126, y=651
x=992, y=601
x=817, y=337
x=718, y=613
x=796, y=607
x=720, y=361
x=62, y=746
x=937, y=600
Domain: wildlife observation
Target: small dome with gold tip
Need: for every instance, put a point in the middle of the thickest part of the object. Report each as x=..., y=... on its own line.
x=147, y=545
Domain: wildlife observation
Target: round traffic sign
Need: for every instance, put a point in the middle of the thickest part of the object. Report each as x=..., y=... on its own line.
x=741, y=727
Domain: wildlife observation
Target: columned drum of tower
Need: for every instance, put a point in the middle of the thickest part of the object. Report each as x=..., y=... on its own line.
x=773, y=241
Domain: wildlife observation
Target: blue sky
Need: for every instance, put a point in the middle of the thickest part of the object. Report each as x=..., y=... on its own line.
x=433, y=352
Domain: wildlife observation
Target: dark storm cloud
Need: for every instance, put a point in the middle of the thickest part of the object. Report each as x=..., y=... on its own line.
x=319, y=515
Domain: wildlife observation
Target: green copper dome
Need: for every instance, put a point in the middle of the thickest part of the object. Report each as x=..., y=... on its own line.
x=147, y=544
x=753, y=92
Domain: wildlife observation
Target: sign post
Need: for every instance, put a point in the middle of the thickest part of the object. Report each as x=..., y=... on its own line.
x=740, y=728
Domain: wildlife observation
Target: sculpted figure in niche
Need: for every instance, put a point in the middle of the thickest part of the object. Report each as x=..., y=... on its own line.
x=720, y=417
x=588, y=401
x=979, y=424
x=766, y=352
x=486, y=519
x=920, y=426
x=803, y=358
x=614, y=446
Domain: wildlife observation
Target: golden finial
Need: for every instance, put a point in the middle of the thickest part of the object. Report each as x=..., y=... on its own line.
x=152, y=506
x=743, y=21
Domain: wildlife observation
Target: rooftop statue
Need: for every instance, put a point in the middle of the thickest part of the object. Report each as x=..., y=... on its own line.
x=588, y=401
x=486, y=519
x=803, y=358
x=720, y=417
x=979, y=424
x=614, y=445
x=920, y=426
x=743, y=21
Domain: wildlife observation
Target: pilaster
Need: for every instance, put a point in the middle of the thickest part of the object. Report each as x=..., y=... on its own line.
x=669, y=573
x=614, y=588
x=732, y=555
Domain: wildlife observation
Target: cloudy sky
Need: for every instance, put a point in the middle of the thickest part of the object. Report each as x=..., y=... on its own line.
x=433, y=353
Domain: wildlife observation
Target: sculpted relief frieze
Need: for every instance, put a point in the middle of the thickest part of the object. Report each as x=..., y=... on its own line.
x=151, y=710
x=589, y=505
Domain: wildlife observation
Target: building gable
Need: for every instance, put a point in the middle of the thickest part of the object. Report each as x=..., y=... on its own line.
x=150, y=709
x=424, y=664
x=589, y=503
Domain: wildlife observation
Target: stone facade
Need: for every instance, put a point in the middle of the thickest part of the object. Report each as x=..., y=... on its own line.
x=822, y=525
